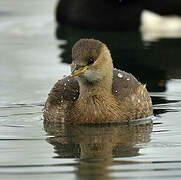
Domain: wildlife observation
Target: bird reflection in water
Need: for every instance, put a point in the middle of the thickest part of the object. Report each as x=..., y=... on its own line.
x=97, y=145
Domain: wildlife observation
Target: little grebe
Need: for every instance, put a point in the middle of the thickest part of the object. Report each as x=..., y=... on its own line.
x=95, y=92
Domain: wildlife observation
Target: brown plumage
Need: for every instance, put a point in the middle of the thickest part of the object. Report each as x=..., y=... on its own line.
x=95, y=92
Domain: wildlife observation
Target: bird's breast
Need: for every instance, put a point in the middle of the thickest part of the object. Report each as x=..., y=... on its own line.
x=94, y=109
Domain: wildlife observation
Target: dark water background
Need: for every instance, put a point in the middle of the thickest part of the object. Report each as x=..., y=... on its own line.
x=33, y=55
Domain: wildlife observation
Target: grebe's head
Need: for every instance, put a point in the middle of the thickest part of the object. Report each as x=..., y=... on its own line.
x=91, y=61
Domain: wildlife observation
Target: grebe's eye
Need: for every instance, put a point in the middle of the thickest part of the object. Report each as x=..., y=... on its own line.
x=91, y=61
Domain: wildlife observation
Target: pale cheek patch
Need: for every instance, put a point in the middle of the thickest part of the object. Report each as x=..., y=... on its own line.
x=91, y=75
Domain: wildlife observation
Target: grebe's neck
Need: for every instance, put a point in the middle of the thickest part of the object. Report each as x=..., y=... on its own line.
x=96, y=88
x=98, y=81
